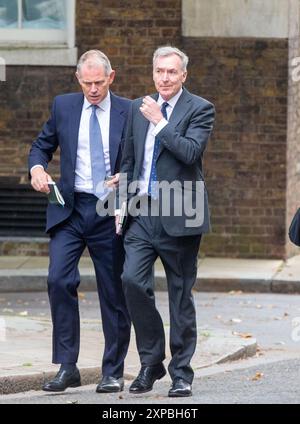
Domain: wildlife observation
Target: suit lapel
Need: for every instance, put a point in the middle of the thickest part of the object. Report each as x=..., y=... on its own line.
x=179, y=112
x=117, y=121
x=74, y=123
x=142, y=129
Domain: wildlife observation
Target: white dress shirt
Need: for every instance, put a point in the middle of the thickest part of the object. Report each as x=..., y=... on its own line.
x=83, y=170
x=153, y=130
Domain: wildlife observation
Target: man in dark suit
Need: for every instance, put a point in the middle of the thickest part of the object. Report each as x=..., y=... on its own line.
x=88, y=128
x=167, y=135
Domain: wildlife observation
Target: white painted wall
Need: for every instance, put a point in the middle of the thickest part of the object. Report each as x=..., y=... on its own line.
x=239, y=18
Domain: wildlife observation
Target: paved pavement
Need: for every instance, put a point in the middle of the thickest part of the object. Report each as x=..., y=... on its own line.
x=28, y=273
x=25, y=331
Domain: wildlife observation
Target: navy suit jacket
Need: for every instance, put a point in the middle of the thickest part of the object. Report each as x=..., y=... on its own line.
x=61, y=130
x=182, y=144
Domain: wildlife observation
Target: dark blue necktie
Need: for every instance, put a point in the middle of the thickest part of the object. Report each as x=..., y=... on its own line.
x=97, y=155
x=152, y=187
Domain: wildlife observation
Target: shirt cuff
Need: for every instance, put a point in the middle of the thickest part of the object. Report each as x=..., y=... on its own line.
x=36, y=166
x=162, y=123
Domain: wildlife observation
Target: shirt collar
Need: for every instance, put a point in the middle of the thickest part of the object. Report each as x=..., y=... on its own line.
x=172, y=102
x=103, y=105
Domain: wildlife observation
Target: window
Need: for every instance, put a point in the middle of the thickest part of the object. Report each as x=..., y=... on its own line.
x=30, y=26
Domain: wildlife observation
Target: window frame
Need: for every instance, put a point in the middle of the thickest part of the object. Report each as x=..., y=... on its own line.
x=43, y=47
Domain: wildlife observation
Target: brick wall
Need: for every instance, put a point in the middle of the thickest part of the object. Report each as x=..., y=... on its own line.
x=25, y=99
x=245, y=164
x=128, y=31
x=245, y=78
x=293, y=146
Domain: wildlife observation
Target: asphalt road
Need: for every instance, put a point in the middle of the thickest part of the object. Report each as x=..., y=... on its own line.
x=272, y=383
x=272, y=376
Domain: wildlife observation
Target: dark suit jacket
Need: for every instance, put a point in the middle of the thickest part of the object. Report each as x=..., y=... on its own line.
x=61, y=130
x=182, y=143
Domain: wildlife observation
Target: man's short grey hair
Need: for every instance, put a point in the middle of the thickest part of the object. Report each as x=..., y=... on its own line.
x=168, y=51
x=94, y=59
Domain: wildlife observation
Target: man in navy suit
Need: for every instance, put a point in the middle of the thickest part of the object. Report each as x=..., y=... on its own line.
x=89, y=129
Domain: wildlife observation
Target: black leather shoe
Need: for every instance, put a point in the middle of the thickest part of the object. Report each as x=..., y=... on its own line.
x=180, y=388
x=62, y=380
x=110, y=385
x=146, y=378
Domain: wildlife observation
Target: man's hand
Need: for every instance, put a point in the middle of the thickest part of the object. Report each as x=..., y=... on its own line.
x=118, y=226
x=113, y=181
x=151, y=110
x=39, y=180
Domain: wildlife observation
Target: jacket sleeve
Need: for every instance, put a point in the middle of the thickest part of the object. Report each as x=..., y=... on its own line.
x=189, y=147
x=127, y=163
x=45, y=145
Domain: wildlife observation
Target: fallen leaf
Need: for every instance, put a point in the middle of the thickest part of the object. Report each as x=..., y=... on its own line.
x=235, y=292
x=205, y=334
x=218, y=317
x=72, y=401
x=8, y=311
x=23, y=314
x=27, y=364
x=81, y=295
x=245, y=335
x=257, y=376
x=258, y=307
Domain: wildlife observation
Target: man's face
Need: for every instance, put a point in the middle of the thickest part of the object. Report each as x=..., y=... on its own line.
x=94, y=82
x=168, y=75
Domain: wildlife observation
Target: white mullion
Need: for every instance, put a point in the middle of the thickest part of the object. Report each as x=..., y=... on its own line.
x=70, y=23
x=20, y=14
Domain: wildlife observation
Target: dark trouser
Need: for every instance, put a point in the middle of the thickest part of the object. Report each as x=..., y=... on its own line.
x=145, y=240
x=86, y=228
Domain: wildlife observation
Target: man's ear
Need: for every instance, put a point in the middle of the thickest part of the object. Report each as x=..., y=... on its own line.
x=78, y=77
x=112, y=76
